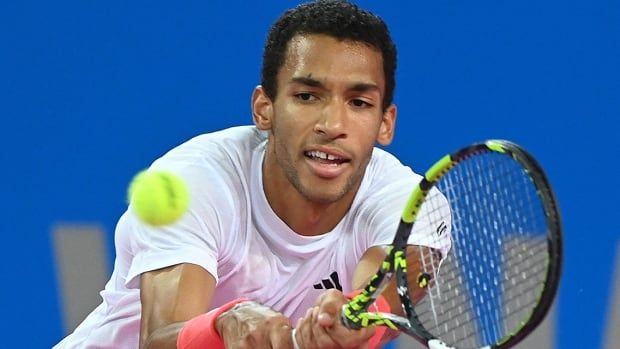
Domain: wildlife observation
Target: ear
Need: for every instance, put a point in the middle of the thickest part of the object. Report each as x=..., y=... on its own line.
x=388, y=122
x=262, y=109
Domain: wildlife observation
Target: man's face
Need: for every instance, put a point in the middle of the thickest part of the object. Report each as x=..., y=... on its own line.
x=327, y=116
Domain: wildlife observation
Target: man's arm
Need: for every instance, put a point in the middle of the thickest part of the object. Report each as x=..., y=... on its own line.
x=169, y=297
x=174, y=295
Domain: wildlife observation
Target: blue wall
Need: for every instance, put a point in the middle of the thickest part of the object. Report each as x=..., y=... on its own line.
x=91, y=92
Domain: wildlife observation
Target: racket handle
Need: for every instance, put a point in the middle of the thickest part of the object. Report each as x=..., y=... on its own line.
x=437, y=344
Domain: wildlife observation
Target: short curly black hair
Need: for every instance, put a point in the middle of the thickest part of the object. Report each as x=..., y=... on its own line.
x=338, y=19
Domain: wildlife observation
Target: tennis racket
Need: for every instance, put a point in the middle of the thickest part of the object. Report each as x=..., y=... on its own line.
x=501, y=274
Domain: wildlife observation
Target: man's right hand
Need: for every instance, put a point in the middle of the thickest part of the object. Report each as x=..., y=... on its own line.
x=253, y=325
x=321, y=327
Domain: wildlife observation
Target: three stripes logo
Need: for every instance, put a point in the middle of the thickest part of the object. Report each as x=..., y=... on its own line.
x=442, y=228
x=332, y=282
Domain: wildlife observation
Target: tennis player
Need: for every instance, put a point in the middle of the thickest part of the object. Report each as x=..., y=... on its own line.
x=286, y=216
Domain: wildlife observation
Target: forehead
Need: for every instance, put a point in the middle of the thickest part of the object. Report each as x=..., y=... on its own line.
x=333, y=60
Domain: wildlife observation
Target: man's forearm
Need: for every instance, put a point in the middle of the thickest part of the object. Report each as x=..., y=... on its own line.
x=163, y=337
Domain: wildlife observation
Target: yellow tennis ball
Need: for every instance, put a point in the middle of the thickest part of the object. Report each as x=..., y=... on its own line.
x=158, y=197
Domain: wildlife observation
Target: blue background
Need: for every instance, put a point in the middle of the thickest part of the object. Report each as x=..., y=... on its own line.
x=91, y=92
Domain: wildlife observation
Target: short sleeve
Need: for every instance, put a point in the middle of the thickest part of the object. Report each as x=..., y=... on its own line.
x=197, y=237
x=186, y=241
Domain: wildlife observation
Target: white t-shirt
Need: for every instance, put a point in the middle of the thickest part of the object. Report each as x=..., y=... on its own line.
x=232, y=232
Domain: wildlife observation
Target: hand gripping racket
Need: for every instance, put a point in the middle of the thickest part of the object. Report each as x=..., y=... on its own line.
x=499, y=278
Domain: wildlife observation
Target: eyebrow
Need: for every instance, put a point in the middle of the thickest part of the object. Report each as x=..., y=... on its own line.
x=307, y=81
x=358, y=87
x=364, y=87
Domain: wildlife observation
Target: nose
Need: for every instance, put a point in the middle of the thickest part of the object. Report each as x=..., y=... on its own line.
x=333, y=119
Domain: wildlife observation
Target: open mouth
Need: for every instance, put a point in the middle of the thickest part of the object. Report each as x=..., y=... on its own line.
x=325, y=158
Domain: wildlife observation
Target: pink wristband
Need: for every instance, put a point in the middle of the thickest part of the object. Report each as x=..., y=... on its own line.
x=200, y=332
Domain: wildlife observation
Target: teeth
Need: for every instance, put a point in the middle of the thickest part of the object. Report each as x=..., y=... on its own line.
x=321, y=155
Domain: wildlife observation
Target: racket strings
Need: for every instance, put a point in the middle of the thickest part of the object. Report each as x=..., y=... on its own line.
x=496, y=269
x=468, y=332
x=529, y=283
x=458, y=311
x=538, y=252
x=456, y=308
x=532, y=270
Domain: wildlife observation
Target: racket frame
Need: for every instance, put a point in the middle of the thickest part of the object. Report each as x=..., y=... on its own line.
x=355, y=314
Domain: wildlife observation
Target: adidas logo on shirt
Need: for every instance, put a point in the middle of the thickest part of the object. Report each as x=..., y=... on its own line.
x=332, y=282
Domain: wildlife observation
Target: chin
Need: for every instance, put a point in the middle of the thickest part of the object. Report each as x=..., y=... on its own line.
x=323, y=195
x=322, y=191
x=325, y=198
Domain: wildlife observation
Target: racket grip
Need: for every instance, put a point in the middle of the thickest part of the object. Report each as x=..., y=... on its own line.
x=436, y=344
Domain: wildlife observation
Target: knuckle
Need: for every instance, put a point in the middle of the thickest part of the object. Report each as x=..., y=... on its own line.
x=254, y=335
x=276, y=319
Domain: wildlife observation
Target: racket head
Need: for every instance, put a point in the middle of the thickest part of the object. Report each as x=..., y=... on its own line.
x=501, y=275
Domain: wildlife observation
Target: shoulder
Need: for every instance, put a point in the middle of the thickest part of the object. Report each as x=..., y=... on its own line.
x=217, y=164
x=384, y=167
x=238, y=136
x=376, y=209
x=228, y=150
x=220, y=144
x=384, y=190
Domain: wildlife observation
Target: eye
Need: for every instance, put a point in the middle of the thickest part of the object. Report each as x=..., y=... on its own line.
x=305, y=96
x=360, y=103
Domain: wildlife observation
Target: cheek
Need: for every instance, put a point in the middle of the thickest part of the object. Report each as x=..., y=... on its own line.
x=368, y=132
x=294, y=121
x=284, y=115
x=285, y=134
